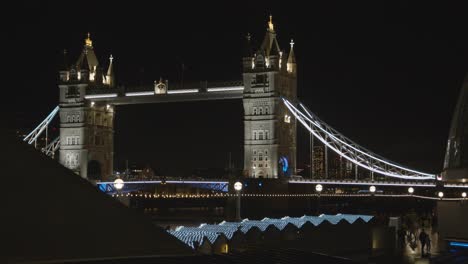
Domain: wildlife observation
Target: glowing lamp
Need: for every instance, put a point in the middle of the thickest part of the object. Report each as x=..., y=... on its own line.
x=118, y=184
x=411, y=190
x=372, y=189
x=238, y=186
x=464, y=194
x=440, y=194
x=318, y=187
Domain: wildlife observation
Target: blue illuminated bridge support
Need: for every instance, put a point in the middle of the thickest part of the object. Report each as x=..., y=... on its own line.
x=133, y=186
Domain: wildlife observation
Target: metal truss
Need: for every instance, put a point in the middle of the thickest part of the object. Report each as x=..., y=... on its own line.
x=350, y=150
x=52, y=147
x=34, y=135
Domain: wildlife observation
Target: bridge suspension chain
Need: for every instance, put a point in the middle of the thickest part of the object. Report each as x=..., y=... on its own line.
x=36, y=133
x=350, y=150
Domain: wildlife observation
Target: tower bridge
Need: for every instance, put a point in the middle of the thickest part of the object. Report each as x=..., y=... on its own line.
x=88, y=97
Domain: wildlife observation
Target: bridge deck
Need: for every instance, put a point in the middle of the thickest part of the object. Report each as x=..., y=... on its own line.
x=180, y=95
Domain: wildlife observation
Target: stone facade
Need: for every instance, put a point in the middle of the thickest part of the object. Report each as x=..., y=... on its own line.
x=269, y=130
x=86, y=128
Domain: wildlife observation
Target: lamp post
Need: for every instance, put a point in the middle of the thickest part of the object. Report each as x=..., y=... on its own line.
x=238, y=188
x=411, y=190
x=372, y=189
x=463, y=195
x=318, y=189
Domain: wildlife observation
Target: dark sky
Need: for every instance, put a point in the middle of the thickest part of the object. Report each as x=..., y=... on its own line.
x=387, y=76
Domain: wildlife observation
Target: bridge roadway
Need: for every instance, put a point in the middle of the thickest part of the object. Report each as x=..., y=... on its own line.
x=377, y=183
x=144, y=95
x=429, y=184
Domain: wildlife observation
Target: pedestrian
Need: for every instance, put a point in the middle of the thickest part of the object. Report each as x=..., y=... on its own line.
x=423, y=239
x=401, y=237
x=428, y=244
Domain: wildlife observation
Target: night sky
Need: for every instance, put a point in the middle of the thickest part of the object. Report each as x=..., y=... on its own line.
x=386, y=76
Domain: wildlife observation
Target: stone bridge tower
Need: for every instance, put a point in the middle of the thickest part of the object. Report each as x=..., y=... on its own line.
x=86, y=127
x=269, y=130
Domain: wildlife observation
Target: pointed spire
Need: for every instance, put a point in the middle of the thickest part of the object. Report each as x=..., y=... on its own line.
x=64, y=65
x=248, y=52
x=88, y=41
x=270, y=44
x=271, y=27
x=84, y=64
x=291, y=64
x=291, y=58
x=110, y=72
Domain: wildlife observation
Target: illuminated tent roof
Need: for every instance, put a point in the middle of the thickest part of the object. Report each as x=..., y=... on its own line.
x=211, y=232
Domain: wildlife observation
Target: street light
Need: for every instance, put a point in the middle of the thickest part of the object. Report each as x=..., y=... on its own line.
x=118, y=184
x=238, y=188
x=372, y=189
x=318, y=188
x=464, y=194
x=411, y=190
x=440, y=194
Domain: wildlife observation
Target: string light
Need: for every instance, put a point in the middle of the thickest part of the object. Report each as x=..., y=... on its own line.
x=284, y=195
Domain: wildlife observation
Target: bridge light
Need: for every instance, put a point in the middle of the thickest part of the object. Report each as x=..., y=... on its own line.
x=238, y=186
x=410, y=190
x=318, y=187
x=372, y=189
x=463, y=194
x=440, y=194
x=118, y=184
x=92, y=104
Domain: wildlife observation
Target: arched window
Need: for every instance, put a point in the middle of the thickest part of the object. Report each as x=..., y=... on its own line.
x=266, y=110
x=255, y=135
x=255, y=110
x=260, y=110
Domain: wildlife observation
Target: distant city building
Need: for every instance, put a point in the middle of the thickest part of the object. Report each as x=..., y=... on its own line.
x=319, y=161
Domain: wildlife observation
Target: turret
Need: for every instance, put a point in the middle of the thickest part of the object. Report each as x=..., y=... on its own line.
x=110, y=73
x=64, y=70
x=291, y=65
x=248, y=60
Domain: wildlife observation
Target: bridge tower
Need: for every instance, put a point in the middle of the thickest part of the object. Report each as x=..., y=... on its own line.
x=86, y=127
x=269, y=130
x=456, y=156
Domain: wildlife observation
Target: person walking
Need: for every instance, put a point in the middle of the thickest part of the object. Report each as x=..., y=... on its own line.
x=423, y=239
x=428, y=245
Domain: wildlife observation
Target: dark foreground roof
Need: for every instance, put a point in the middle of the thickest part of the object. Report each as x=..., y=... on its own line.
x=53, y=214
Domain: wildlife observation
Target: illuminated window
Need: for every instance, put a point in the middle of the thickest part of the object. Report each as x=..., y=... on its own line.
x=287, y=119
x=225, y=248
x=73, y=140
